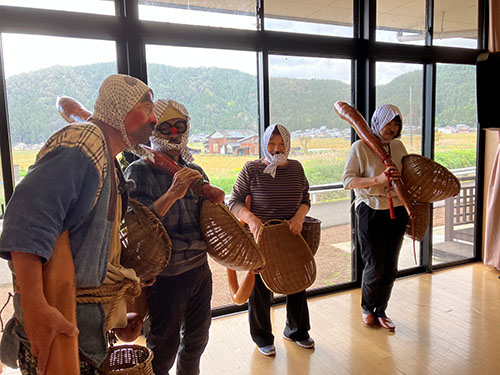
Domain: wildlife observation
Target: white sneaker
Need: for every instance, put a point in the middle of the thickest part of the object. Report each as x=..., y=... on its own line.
x=267, y=350
x=306, y=344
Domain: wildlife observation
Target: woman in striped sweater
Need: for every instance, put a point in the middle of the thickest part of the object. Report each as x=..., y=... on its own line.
x=279, y=190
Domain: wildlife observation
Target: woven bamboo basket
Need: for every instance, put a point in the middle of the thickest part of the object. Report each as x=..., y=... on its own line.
x=290, y=266
x=421, y=221
x=128, y=360
x=228, y=241
x=426, y=180
x=146, y=246
x=311, y=231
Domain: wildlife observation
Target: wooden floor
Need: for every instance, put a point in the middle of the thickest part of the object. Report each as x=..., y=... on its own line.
x=448, y=322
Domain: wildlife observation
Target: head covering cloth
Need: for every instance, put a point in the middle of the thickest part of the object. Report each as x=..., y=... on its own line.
x=276, y=159
x=118, y=94
x=383, y=115
x=167, y=109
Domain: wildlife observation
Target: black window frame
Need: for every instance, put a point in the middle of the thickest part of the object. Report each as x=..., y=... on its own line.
x=132, y=34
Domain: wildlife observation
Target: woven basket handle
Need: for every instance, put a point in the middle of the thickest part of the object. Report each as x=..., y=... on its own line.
x=274, y=221
x=267, y=224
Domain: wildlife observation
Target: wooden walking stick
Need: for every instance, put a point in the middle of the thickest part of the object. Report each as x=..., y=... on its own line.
x=59, y=288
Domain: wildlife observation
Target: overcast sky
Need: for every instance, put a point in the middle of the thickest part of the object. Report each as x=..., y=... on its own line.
x=24, y=53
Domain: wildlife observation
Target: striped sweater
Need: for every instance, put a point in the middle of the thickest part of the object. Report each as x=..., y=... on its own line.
x=272, y=198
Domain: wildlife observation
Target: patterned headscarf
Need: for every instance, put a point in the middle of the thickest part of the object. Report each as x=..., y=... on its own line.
x=167, y=109
x=118, y=94
x=277, y=158
x=384, y=115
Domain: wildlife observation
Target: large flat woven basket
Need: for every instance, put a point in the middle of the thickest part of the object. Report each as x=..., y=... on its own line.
x=428, y=181
x=128, y=360
x=421, y=220
x=228, y=242
x=311, y=231
x=290, y=266
x=146, y=246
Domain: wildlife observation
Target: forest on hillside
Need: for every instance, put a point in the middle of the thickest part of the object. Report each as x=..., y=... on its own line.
x=219, y=98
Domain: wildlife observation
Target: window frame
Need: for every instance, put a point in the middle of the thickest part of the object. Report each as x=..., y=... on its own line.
x=131, y=35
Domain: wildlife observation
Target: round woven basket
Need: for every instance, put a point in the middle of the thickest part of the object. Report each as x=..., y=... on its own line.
x=228, y=241
x=421, y=221
x=128, y=360
x=426, y=180
x=311, y=231
x=290, y=266
x=146, y=247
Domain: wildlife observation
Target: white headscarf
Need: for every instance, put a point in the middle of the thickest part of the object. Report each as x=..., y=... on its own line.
x=118, y=94
x=167, y=109
x=276, y=159
x=384, y=115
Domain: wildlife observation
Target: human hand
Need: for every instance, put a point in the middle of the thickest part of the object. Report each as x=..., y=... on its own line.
x=254, y=224
x=42, y=324
x=295, y=224
x=391, y=173
x=182, y=181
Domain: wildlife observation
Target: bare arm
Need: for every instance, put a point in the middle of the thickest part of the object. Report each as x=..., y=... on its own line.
x=180, y=184
x=42, y=322
x=297, y=220
x=254, y=223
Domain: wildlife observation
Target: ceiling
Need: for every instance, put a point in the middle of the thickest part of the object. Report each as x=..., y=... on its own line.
x=407, y=15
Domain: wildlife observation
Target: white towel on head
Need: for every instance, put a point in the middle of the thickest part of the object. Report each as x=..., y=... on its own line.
x=275, y=160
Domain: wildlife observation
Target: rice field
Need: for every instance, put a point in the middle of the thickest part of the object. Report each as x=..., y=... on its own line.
x=323, y=161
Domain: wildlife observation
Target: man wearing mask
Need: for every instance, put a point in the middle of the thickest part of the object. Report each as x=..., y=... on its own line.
x=179, y=300
x=72, y=190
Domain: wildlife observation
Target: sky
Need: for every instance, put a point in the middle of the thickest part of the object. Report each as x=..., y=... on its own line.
x=24, y=53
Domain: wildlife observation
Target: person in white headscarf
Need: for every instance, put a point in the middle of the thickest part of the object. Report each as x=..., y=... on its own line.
x=379, y=237
x=279, y=189
x=72, y=188
x=179, y=300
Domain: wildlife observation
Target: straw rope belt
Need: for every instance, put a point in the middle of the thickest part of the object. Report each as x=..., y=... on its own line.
x=109, y=293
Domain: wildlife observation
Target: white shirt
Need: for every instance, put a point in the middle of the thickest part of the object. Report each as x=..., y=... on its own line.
x=363, y=162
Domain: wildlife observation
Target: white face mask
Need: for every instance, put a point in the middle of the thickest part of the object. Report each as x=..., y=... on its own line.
x=278, y=159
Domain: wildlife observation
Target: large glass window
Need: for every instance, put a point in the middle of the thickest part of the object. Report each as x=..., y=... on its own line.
x=455, y=23
x=401, y=85
x=38, y=69
x=219, y=90
x=88, y=6
x=302, y=91
x=401, y=22
x=218, y=13
x=455, y=148
x=320, y=18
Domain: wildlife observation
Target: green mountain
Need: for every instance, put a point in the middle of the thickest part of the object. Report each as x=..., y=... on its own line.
x=227, y=99
x=455, y=95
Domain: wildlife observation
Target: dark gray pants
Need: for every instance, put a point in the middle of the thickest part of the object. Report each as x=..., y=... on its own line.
x=180, y=317
x=380, y=239
x=259, y=315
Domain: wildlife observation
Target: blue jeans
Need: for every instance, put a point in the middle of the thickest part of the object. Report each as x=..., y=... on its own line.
x=180, y=317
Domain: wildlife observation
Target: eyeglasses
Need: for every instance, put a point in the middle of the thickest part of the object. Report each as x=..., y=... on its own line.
x=166, y=128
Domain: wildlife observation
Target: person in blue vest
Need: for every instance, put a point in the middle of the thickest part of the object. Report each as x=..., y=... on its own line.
x=73, y=187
